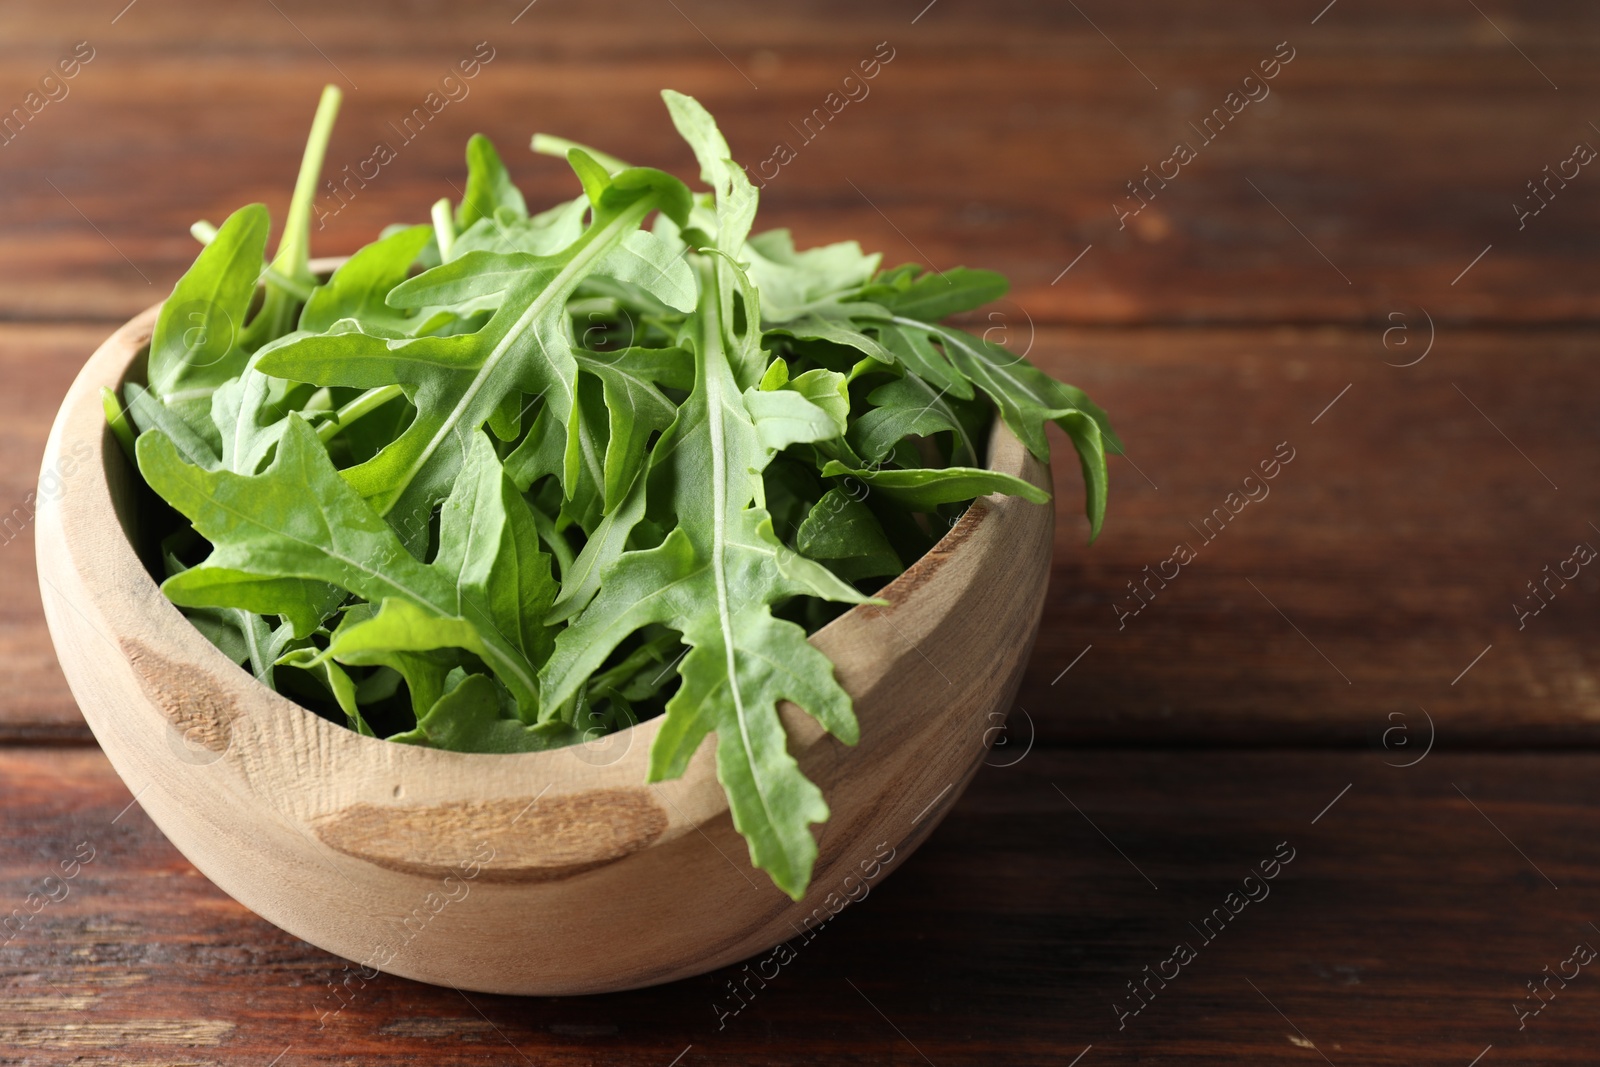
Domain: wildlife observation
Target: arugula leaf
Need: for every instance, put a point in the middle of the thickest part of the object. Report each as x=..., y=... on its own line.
x=489, y=188
x=795, y=283
x=423, y=671
x=714, y=580
x=334, y=680
x=544, y=234
x=844, y=533
x=297, y=523
x=925, y=488
x=904, y=407
x=469, y=718
x=147, y=412
x=735, y=196
x=636, y=408
x=359, y=287
x=198, y=340
x=933, y=296
x=1027, y=399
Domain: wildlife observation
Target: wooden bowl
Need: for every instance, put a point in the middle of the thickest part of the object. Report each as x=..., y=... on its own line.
x=546, y=873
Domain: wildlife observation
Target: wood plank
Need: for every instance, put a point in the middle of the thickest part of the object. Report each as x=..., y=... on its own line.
x=1395, y=142
x=1010, y=936
x=37, y=364
x=1374, y=570
x=1397, y=539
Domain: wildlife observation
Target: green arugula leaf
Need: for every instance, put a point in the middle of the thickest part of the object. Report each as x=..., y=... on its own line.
x=334, y=680
x=925, y=488
x=714, y=580
x=793, y=284
x=647, y=261
x=1027, y=399
x=359, y=287
x=489, y=541
x=471, y=717
x=424, y=671
x=198, y=340
x=298, y=522
x=735, y=196
x=147, y=412
x=935, y=295
x=845, y=534
x=905, y=407
x=635, y=407
x=489, y=188
x=544, y=234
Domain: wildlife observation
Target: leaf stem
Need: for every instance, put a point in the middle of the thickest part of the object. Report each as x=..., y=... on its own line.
x=444, y=228
x=294, y=249
x=548, y=144
x=367, y=402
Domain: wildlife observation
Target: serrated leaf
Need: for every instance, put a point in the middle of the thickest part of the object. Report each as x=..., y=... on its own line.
x=793, y=283
x=544, y=234
x=714, y=580
x=645, y=260
x=334, y=680
x=298, y=521
x=636, y=407
x=736, y=197
x=489, y=541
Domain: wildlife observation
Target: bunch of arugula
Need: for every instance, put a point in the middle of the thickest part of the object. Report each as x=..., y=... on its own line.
x=507, y=482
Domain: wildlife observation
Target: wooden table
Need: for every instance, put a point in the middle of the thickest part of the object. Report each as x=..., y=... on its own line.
x=1349, y=673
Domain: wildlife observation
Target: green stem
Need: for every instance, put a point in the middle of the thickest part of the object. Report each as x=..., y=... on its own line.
x=367, y=402
x=548, y=144
x=294, y=249
x=444, y=228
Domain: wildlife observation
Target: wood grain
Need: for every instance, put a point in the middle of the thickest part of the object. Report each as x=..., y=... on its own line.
x=1386, y=157
x=1378, y=565
x=1359, y=940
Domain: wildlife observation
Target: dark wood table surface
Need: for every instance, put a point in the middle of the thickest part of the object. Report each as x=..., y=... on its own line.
x=1349, y=673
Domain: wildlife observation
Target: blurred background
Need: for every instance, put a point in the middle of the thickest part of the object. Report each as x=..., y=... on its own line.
x=1355, y=237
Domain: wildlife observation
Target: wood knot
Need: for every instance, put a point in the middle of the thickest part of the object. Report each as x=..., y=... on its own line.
x=530, y=839
x=189, y=698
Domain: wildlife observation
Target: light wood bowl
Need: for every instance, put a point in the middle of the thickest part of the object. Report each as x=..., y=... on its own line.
x=548, y=873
